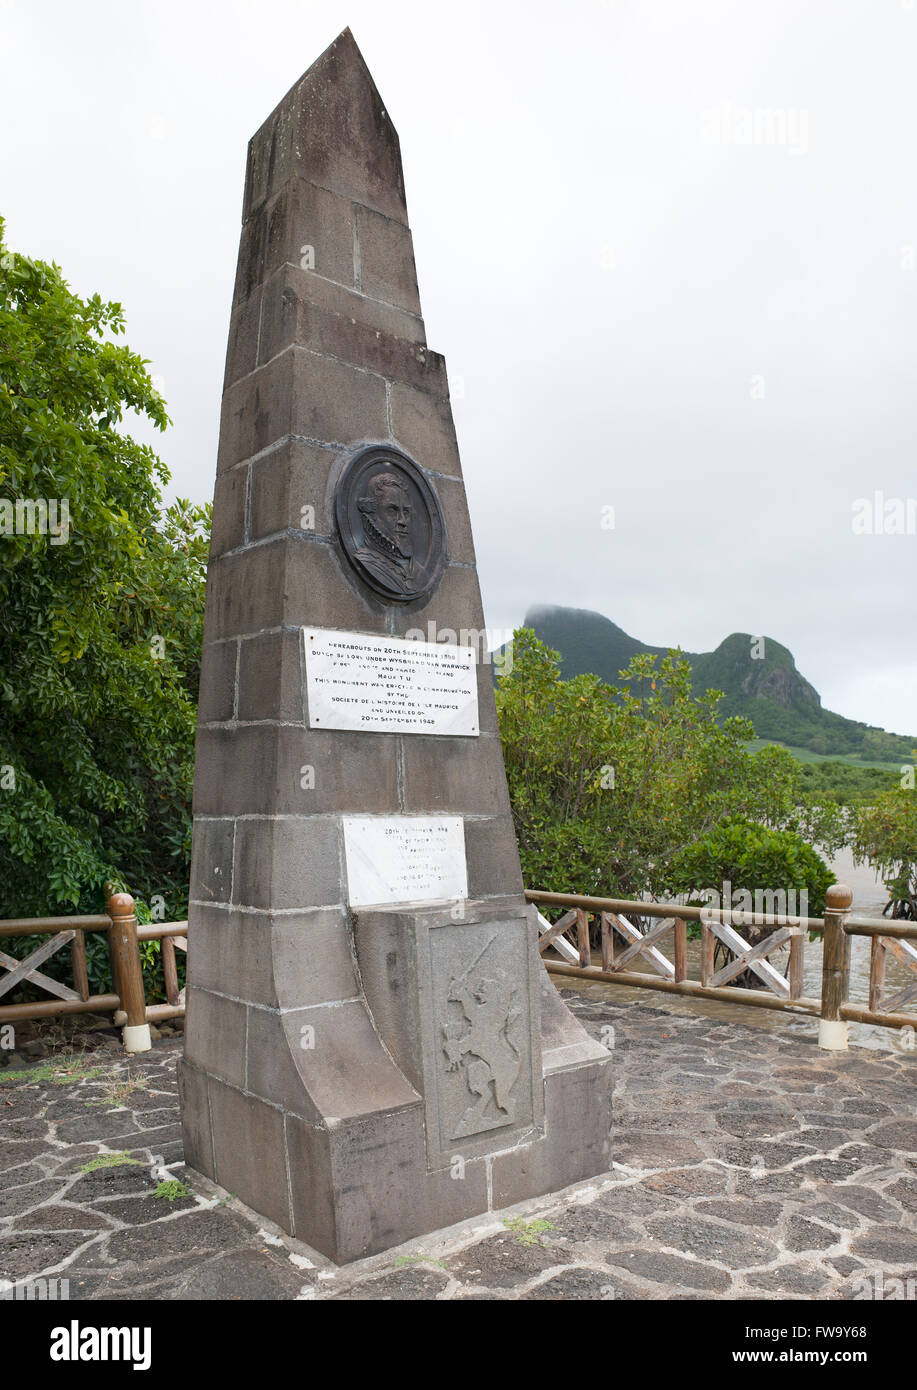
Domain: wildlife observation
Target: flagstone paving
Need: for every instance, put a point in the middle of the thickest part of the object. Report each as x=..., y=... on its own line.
x=747, y=1164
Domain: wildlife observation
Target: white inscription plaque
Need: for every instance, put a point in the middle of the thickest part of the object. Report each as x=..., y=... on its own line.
x=404, y=859
x=389, y=684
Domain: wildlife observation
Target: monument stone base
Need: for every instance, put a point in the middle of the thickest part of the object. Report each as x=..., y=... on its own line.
x=465, y=1012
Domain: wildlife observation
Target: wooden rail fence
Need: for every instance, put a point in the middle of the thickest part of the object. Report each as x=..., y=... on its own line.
x=126, y=1003
x=569, y=937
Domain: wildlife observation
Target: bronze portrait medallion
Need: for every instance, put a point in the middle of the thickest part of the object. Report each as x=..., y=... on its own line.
x=390, y=524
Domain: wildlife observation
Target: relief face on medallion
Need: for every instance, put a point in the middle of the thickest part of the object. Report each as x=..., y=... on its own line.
x=390, y=524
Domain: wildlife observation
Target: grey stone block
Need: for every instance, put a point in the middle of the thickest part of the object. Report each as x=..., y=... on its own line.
x=455, y=1193
x=376, y=1165
x=577, y=1141
x=231, y=952
x=229, y=508
x=284, y=482
x=348, y=1072
x=375, y=1168
x=243, y=593
x=299, y=581
x=387, y=269
x=233, y=770
x=244, y=336
x=323, y=591
x=451, y=492
x=287, y=863
x=313, y=958
x=332, y=128
x=347, y=772
x=211, y=860
x=464, y=777
x=564, y=1040
x=216, y=702
x=248, y=1140
x=299, y=216
x=281, y=770
x=422, y=425
x=311, y=1185
x=195, y=1114
x=300, y=393
x=493, y=857
x=290, y=316
x=272, y=1071
x=215, y=1036
x=351, y=304
x=270, y=677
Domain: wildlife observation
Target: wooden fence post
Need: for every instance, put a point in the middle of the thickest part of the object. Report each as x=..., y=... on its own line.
x=125, y=959
x=835, y=976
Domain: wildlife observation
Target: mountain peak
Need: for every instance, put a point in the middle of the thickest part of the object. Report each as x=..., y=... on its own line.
x=757, y=675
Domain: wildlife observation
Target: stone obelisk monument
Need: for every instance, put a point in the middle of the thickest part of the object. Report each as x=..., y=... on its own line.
x=373, y=1047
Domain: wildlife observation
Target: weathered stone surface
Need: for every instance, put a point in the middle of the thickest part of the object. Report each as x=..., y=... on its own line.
x=583, y=1283
x=386, y=257
x=248, y=1145
x=290, y=316
x=422, y=425
x=286, y=480
x=790, y=1281
x=809, y=1235
x=888, y=1244
x=161, y=1260
x=230, y=504
x=504, y=1261
x=660, y=1268
x=709, y=1241
x=332, y=129
x=287, y=862
x=212, y=860
x=218, y=682
x=288, y=1063
x=215, y=1034
x=300, y=215
x=421, y=1282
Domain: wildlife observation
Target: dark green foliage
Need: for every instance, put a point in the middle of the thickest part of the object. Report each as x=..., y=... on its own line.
x=609, y=783
x=756, y=860
x=843, y=783
x=886, y=838
x=100, y=636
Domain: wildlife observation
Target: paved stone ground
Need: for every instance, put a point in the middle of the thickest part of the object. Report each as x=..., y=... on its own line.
x=747, y=1165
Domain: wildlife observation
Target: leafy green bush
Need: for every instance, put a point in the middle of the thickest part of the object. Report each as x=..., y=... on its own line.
x=100, y=624
x=754, y=860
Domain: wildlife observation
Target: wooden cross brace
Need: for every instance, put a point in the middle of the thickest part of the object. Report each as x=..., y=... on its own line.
x=25, y=969
x=751, y=957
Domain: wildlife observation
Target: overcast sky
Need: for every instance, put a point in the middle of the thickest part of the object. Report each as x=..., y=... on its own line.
x=668, y=248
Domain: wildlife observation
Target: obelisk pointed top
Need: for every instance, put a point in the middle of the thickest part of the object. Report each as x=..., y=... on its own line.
x=332, y=129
